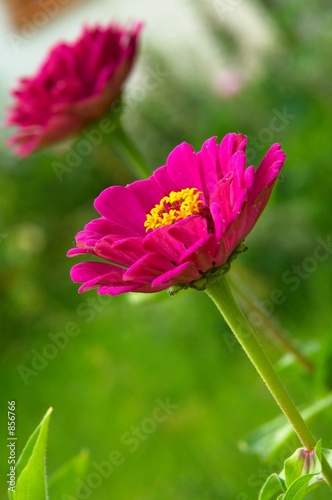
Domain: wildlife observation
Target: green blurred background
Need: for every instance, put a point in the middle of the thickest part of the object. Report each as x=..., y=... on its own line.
x=133, y=350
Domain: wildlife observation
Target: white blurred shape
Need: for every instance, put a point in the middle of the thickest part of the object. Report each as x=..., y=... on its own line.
x=177, y=29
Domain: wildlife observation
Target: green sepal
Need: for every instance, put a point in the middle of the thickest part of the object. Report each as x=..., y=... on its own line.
x=303, y=463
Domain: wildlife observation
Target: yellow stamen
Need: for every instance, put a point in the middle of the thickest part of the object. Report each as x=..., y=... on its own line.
x=176, y=206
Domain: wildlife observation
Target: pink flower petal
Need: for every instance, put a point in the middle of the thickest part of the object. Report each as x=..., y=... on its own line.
x=121, y=206
x=208, y=159
x=161, y=241
x=163, y=181
x=268, y=170
x=199, y=246
x=222, y=197
x=230, y=144
x=94, y=274
x=183, y=168
x=148, y=267
x=148, y=192
x=183, y=273
x=121, y=252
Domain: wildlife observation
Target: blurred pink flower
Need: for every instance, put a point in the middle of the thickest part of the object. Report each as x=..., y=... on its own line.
x=230, y=82
x=76, y=85
x=180, y=226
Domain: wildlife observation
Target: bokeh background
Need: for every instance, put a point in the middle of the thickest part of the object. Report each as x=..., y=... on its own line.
x=260, y=67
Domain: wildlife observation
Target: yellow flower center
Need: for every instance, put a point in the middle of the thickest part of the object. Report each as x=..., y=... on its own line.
x=176, y=206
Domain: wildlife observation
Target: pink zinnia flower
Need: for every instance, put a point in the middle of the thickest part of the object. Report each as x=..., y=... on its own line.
x=75, y=86
x=181, y=226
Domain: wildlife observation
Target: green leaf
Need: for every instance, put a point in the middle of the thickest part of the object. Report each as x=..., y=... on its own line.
x=328, y=455
x=272, y=487
x=31, y=468
x=303, y=463
x=63, y=480
x=315, y=482
x=265, y=440
x=298, y=489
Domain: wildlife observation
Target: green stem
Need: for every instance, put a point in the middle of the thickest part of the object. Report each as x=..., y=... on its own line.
x=129, y=153
x=221, y=295
x=277, y=335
